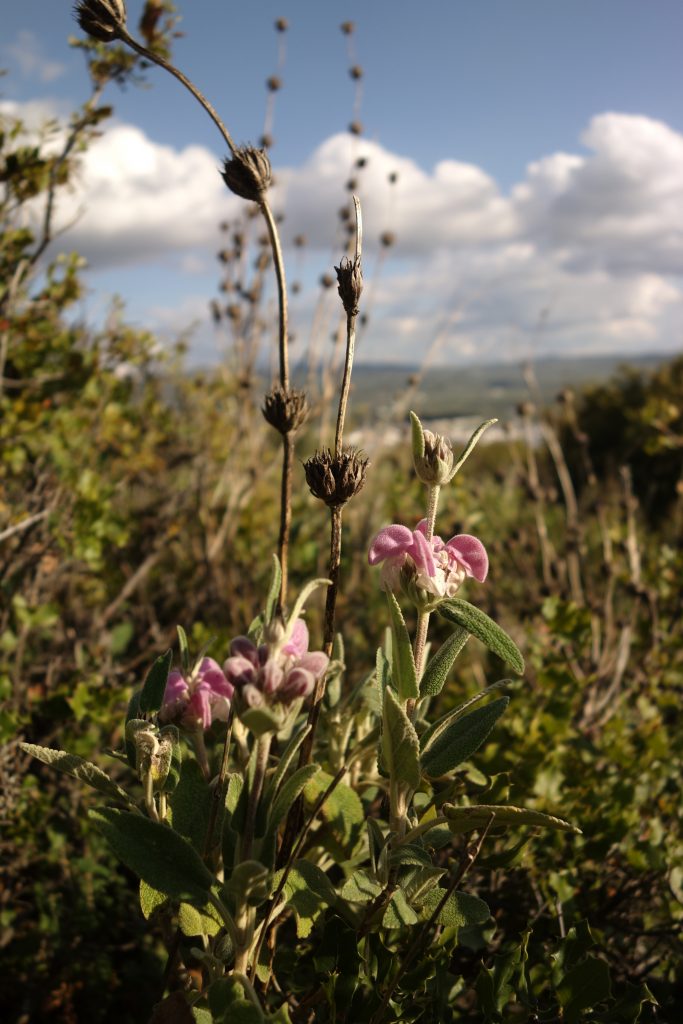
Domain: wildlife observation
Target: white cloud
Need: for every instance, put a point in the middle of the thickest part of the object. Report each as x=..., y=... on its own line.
x=28, y=54
x=586, y=253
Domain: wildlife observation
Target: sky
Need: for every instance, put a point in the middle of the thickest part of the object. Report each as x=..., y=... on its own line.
x=536, y=148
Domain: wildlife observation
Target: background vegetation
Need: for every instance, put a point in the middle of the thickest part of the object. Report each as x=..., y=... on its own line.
x=135, y=494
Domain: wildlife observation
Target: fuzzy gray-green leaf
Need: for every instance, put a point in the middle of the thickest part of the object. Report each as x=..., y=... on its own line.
x=460, y=740
x=403, y=661
x=153, y=690
x=155, y=853
x=84, y=771
x=400, y=745
x=478, y=623
x=462, y=819
x=439, y=666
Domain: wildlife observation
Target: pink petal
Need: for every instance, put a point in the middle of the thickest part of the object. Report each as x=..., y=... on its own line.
x=199, y=707
x=243, y=646
x=471, y=554
x=314, y=662
x=211, y=673
x=176, y=687
x=390, y=542
x=272, y=676
x=298, y=683
x=298, y=641
x=239, y=671
x=422, y=553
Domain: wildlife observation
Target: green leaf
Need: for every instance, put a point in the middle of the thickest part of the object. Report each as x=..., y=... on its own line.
x=410, y=853
x=185, y=663
x=342, y=811
x=476, y=622
x=400, y=745
x=403, y=660
x=439, y=666
x=79, y=769
x=360, y=888
x=175, y=767
x=584, y=987
x=259, y=721
x=417, y=436
x=462, y=819
x=273, y=598
x=470, y=446
x=460, y=909
x=307, y=890
x=460, y=740
x=286, y=758
x=191, y=805
x=190, y=920
x=432, y=732
x=249, y=882
x=399, y=913
x=289, y=793
x=152, y=694
x=228, y=1003
x=155, y=853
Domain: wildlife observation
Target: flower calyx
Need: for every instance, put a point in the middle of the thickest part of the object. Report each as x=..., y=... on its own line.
x=248, y=173
x=335, y=479
x=285, y=409
x=101, y=19
x=350, y=284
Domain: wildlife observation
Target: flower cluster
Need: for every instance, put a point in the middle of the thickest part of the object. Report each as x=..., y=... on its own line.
x=275, y=673
x=414, y=563
x=194, y=702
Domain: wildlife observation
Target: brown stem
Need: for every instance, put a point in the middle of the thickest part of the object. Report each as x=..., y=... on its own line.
x=285, y=512
x=155, y=58
x=274, y=237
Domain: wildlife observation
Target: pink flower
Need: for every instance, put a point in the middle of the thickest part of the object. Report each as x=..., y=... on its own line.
x=274, y=674
x=194, y=703
x=438, y=568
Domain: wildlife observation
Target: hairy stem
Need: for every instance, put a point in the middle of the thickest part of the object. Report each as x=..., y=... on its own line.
x=423, y=616
x=262, y=753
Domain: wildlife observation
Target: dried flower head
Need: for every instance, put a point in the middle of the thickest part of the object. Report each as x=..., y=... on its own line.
x=387, y=238
x=335, y=479
x=281, y=25
x=248, y=173
x=347, y=27
x=101, y=19
x=274, y=83
x=356, y=72
x=350, y=280
x=285, y=409
x=356, y=128
x=326, y=280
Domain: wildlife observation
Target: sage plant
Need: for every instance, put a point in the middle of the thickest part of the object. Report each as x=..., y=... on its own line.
x=353, y=910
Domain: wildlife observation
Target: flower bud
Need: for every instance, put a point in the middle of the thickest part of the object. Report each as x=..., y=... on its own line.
x=248, y=173
x=101, y=19
x=335, y=479
x=350, y=279
x=285, y=409
x=435, y=465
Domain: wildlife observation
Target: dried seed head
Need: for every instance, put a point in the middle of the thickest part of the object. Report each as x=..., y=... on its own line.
x=296, y=287
x=248, y=173
x=101, y=19
x=285, y=409
x=352, y=184
x=274, y=83
x=335, y=479
x=356, y=72
x=347, y=27
x=266, y=141
x=435, y=465
x=361, y=161
x=387, y=238
x=281, y=25
x=326, y=280
x=299, y=241
x=356, y=128
x=393, y=177
x=350, y=279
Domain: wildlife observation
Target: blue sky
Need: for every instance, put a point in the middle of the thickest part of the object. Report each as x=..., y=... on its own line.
x=538, y=145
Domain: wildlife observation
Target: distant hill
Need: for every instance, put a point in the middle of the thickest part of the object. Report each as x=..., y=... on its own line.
x=482, y=390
